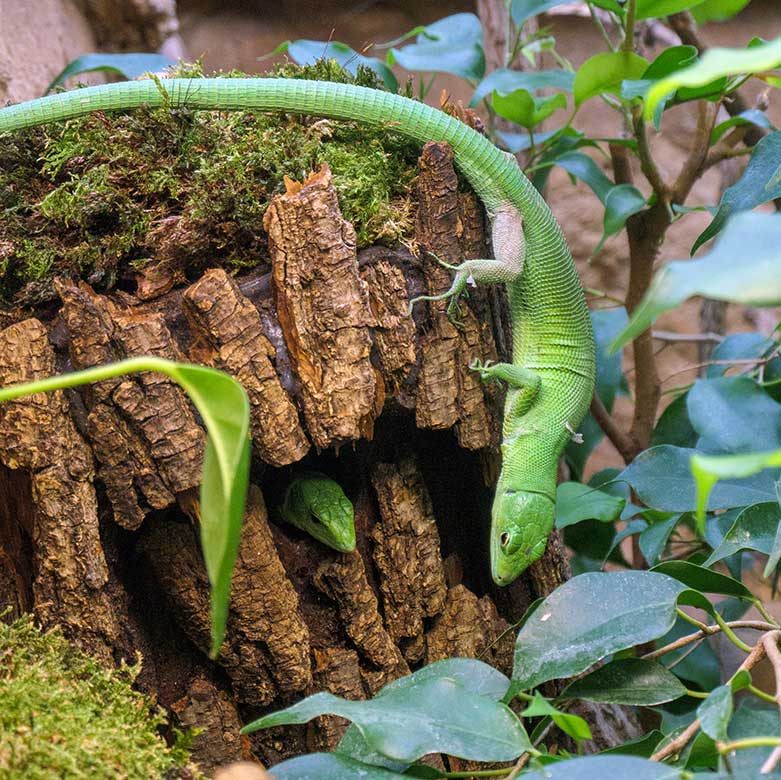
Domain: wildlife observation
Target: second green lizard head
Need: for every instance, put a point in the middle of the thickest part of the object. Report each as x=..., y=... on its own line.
x=316, y=504
x=520, y=523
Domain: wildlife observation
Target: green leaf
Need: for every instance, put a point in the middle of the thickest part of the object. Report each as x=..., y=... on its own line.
x=662, y=478
x=715, y=712
x=435, y=715
x=718, y=10
x=734, y=414
x=630, y=681
x=526, y=110
x=223, y=405
x=674, y=426
x=506, y=81
x=614, y=611
x=653, y=539
x=601, y=767
x=604, y=73
x=622, y=202
x=754, y=529
x=308, y=52
x=653, y=9
x=319, y=766
x=752, y=719
x=708, y=470
x=576, y=502
x=751, y=116
x=700, y=666
x=755, y=281
x=714, y=64
x=522, y=10
x=584, y=168
x=128, y=66
x=643, y=746
x=450, y=45
x=737, y=347
x=702, y=579
x=573, y=725
x=760, y=183
x=478, y=677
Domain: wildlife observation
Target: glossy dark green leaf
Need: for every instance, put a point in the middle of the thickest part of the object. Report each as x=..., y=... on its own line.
x=478, y=677
x=354, y=745
x=756, y=280
x=589, y=617
x=734, y=414
x=525, y=109
x=435, y=715
x=623, y=201
x=572, y=725
x=505, y=81
x=715, y=712
x=584, y=168
x=737, y=346
x=760, y=183
x=603, y=74
x=754, y=529
x=751, y=116
x=576, y=502
x=653, y=539
x=453, y=44
x=717, y=10
x=662, y=478
x=700, y=666
x=752, y=718
x=323, y=766
x=703, y=579
x=523, y=10
x=128, y=66
x=642, y=747
x=631, y=681
x=714, y=64
x=674, y=426
x=307, y=52
x=602, y=767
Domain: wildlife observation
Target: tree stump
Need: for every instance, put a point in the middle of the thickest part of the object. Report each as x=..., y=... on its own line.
x=98, y=485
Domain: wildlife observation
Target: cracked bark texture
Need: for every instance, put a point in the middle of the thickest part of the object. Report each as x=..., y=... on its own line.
x=98, y=528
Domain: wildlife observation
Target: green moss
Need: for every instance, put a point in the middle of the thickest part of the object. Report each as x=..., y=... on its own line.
x=65, y=717
x=88, y=197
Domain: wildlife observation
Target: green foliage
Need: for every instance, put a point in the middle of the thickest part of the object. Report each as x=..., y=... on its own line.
x=64, y=716
x=224, y=408
x=127, y=66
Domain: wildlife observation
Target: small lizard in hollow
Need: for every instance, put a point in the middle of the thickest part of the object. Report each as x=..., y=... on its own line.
x=550, y=380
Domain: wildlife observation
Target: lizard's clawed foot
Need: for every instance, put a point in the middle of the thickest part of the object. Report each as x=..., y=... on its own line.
x=484, y=369
x=444, y=264
x=456, y=290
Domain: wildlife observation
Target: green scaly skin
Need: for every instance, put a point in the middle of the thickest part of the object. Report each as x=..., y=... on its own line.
x=316, y=504
x=551, y=377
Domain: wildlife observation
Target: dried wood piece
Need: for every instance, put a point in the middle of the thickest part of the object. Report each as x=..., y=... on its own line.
x=267, y=646
x=343, y=579
x=206, y=707
x=232, y=338
x=466, y=628
x=394, y=332
x=406, y=553
x=142, y=428
x=323, y=310
x=37, y=435
x=336, y=670
x=450, y=227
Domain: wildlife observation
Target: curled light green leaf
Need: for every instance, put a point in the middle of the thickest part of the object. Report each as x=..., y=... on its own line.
x=223, y=405
x=714, y=64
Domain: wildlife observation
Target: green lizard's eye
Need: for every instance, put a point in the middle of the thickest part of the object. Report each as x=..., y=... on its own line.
x=504, y=539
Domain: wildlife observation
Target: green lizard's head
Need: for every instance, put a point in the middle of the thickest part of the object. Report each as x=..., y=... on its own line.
x=330, y=518
x=520, y=524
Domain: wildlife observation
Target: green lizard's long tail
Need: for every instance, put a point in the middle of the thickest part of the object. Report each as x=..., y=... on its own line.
x=483, y=164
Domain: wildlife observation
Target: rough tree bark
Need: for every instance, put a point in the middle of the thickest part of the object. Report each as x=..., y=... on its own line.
x=97, y=525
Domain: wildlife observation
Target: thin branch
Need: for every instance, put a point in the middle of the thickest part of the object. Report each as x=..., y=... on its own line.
x=647, y=164
x=694, y=164
x=757, y=625
x=770, y=643
x=734, y=362
x=622, y=441
x=667, y=335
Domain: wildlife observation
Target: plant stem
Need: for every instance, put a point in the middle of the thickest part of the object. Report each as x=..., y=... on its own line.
x=731, y=635
x=629, y=26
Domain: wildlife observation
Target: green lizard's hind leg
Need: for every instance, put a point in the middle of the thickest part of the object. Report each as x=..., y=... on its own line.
x=509, y=248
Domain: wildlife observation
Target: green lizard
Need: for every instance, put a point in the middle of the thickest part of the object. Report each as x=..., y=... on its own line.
x=316, y=504
x=551, y=378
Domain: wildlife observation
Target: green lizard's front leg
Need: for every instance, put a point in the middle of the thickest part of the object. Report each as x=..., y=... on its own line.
x=316, y=504
x=509, y=247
